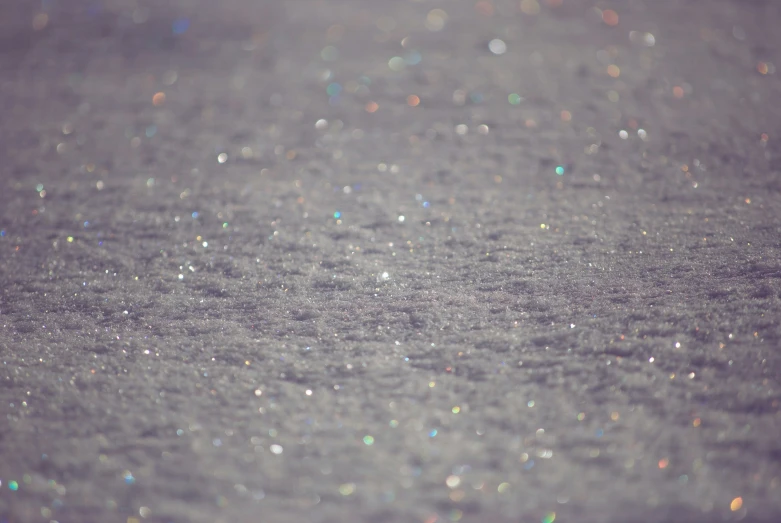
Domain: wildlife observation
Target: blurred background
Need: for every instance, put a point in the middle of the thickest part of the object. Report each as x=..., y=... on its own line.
x=403, y=260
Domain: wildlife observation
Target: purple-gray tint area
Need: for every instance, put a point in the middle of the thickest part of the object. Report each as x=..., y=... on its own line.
x=390, y=261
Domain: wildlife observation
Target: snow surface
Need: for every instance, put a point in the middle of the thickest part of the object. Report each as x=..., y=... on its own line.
x=261, y=336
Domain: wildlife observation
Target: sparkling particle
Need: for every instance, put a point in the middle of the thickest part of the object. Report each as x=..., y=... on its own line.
x=623, y=134
x=485, y=8
x=321, y=124
x=170, y=77
x=368, y=440
x=514, y=99
x=222, y=158
x=346, y=489
x=610, y=17
x=180, y=25
x=413, y=101
x=158, y=98
x=497, y=46
x=276, y=449
x=40, y=21
x=432, y=433
x=560, y=170
x=436, y=20
x=337, y=215
x=550, y=517
x=736, y=504
x=397, y=63
x=453, y=481
x=459, y=97
x=530, y=7
x=455, y=410
x=13, y=485
x=129, y=479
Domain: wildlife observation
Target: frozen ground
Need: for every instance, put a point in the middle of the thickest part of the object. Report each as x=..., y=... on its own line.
x=212, y=310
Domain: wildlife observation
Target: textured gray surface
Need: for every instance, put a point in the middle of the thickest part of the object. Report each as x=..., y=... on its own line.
x=611, y=341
